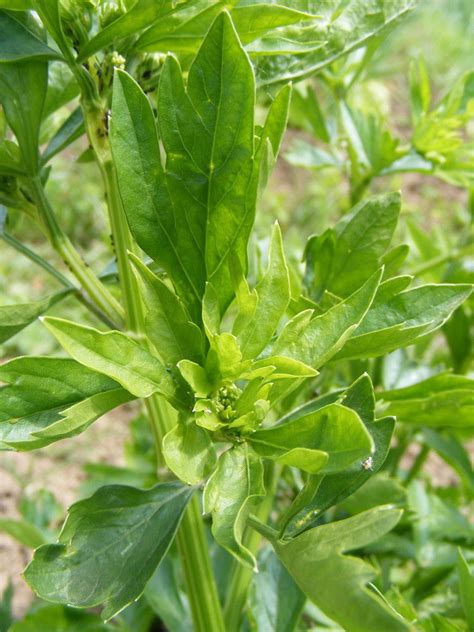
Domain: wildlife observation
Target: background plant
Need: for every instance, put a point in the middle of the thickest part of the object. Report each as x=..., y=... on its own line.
x=217, y=343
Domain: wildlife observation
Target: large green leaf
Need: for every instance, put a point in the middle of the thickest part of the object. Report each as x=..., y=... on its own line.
x=118, y=356
x=442, y=401
x=275, y=601
x=195, y=215
x=14, y=318
x=229, y=494
x=327, y=440
x=295, y=53
x=402, y=319
x=336, y=487
x=273, y=296
x=117, y=537
x=182, y=31
x=47, y=399
x=22, y=93
x=166, y=321
x=19, y=43
x=337, y=583
x=314, y=341
x=360, y=240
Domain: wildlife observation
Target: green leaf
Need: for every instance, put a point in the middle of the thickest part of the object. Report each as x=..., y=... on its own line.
x=299, y=52
x=404, y=318
x=315, y=341
x=19, y=43
x=273, y=296
x=14, y=318
x=189, y=452
x=337, y=583
x=183, y=30
x=210, y=182
x=441, y=401
x=59, y=619
x=25, y=533
x=361, y=240
x=118, y=537
x=70, y=130
x=22, y=94
x=228, y=496
x=334, y=488
x=466, y=588
x=166, y=322
x=163, y=594
x=327, y=440
x=139, y=16
x=118, y=356
x=275, y=601
x=47, y=399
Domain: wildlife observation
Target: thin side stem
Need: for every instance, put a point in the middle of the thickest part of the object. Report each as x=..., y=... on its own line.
x=99, y=294
x=417, y=464
x=30, y=254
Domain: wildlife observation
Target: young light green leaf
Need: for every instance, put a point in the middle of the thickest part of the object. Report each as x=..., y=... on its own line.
x=118, y=356
x=404, y=318
x=273, y=296
x=19, y=43
x=316, y=341
x=327, y=440
x=47, y=399
x=14, y=318
x=189, y=452
x=228, y=496
x=118, y=536
x=168, y=326
x=336, y=583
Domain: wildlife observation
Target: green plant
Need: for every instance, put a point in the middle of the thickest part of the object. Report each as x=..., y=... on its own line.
x=255, y=379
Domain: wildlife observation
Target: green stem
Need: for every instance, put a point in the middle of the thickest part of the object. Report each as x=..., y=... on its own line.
x=440, y=260
x=99, y=294
x=262, y=528
x=417, y=464
x=27, y=252
x=200, y=583
x=191, y=537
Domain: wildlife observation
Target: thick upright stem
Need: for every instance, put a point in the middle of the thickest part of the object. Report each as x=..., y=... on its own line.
x=191, y=538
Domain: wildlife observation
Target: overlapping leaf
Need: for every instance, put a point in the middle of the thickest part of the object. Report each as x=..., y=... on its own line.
x=47, y=399
x=337, y=583
x=118, y=356
x=118, y=537
x=197, y=212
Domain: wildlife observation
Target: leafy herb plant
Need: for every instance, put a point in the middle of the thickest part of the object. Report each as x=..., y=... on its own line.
x=267, y=425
